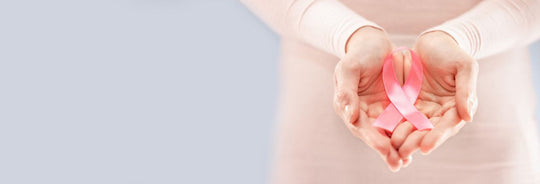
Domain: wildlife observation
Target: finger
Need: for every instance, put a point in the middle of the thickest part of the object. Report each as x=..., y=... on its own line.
x=394, y=160
x=406, y=63
x=407, y=161
x=398, y=66
x=446, y=127
x=400, y=134
x=411, y=144
x=466, y=78
x=346, y=78
x=379, y=142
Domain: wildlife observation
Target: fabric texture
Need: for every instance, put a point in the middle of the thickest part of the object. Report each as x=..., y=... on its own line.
x=325, y=24
x=494, y=26
x=501, y=145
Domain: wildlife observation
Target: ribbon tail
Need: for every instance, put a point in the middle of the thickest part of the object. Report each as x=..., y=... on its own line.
x=389, y=119
x=402, y=98
x=419, y=121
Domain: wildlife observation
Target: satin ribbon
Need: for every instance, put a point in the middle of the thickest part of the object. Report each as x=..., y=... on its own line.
x=402, y=98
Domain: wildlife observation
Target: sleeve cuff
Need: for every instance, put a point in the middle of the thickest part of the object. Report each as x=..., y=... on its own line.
x=465, y=39
x=328, y=25
x=343, y=38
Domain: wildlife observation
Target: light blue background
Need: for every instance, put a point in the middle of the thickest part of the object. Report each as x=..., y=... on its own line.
x=137, y=91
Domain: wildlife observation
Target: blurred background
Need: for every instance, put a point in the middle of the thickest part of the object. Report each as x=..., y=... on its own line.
x=138, y=91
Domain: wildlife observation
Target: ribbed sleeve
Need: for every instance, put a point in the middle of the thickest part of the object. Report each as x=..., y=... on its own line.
x=325, y=24
x=494, y=26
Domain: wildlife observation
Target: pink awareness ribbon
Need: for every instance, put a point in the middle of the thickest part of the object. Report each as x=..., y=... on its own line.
x=402, y=99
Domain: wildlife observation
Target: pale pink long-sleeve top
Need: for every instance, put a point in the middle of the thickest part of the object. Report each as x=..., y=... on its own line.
x=313, y=145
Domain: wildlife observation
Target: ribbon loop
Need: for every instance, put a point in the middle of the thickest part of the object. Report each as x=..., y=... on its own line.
x=402, y=99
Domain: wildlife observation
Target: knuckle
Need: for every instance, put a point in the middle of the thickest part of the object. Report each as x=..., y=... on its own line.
x=340, y=96
x=378, y=146
x=352, y=65
x=404, y=151
x=396, y=141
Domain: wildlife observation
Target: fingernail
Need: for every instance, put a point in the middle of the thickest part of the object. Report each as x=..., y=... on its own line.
x=394, y=170
x=409, y=160
x=347, y=113
x=471, y=106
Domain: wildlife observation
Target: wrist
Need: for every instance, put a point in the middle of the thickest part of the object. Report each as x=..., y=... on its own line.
x=367, y=35
x=436, y=37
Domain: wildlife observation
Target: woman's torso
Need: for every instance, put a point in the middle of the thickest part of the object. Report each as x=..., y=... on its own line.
x=500, y=146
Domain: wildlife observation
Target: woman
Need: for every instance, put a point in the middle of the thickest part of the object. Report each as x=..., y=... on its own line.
x=331, y=60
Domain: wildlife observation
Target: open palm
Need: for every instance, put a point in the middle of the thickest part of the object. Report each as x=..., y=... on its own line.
x=447, y=96
x=359, y=92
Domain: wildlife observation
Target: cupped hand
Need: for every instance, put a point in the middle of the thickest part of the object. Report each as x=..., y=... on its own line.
x=447, y=97
x=359, y=91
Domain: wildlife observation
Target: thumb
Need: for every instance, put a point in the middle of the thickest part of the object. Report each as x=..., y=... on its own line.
x=399, y=64
x=466, y=79
x=406, y=64
x=346, y=79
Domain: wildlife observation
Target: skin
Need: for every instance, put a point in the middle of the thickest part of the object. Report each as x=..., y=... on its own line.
x=447, y=97
x=359, y=92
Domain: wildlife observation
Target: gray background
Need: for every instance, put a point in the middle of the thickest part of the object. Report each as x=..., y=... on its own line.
x=140, y=91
